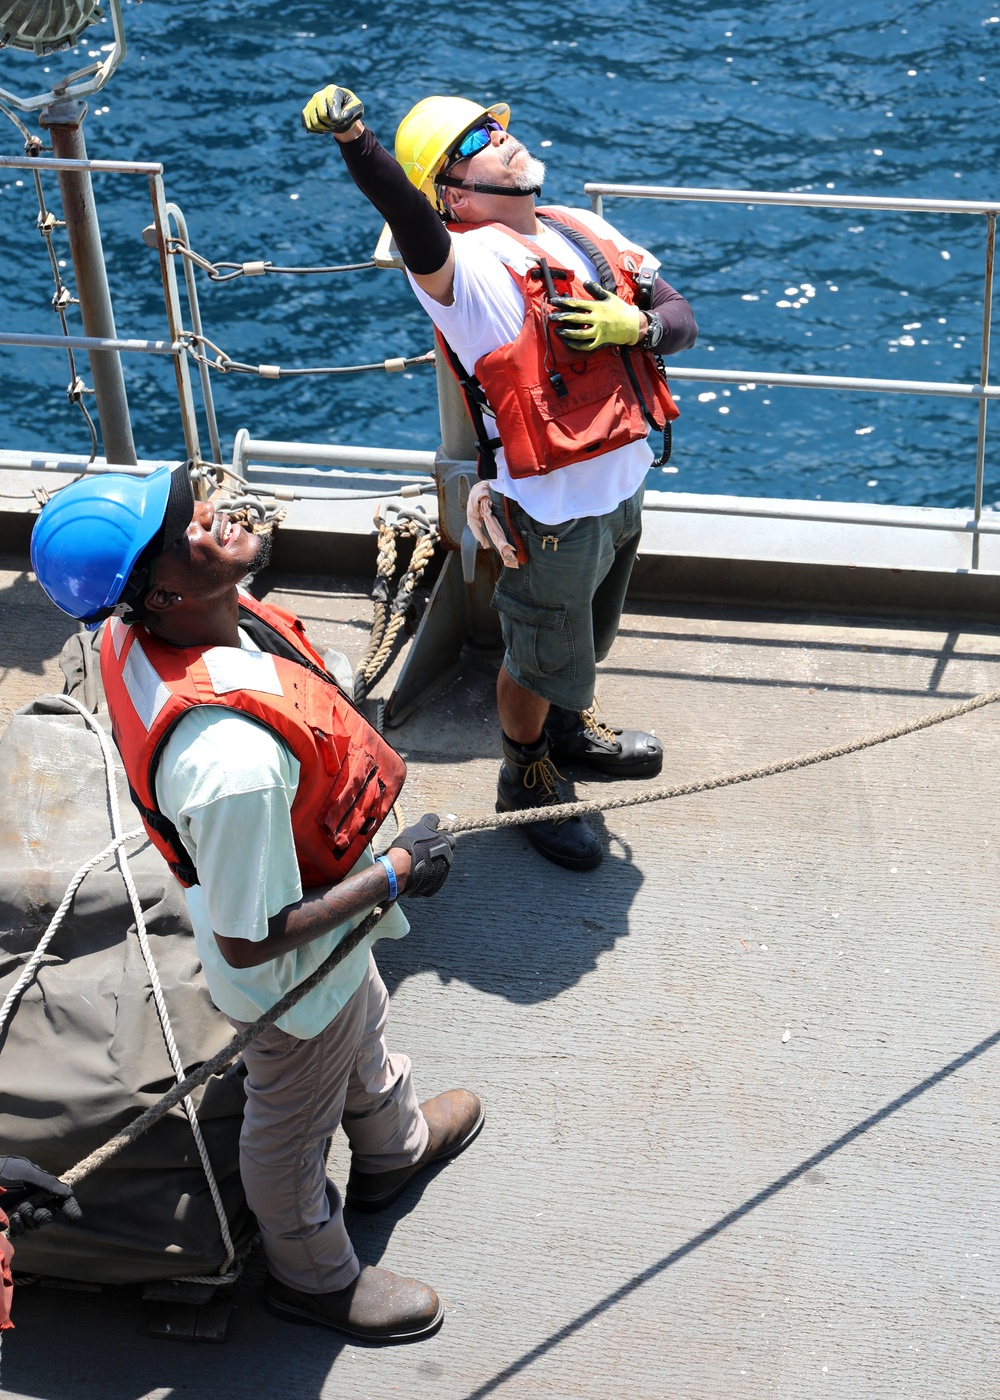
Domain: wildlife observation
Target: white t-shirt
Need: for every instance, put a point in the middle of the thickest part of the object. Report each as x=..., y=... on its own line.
x=488, y=312
x=228, y=783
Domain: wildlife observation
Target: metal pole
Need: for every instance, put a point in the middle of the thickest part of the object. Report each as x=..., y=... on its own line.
x=458, y=437
x=984, y=374
x=895, y=203
x=175, y=324
x=64, y=120
x=204, y=373
x=85, y=342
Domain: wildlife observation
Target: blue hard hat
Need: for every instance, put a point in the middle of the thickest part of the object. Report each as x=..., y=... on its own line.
x=91, y=536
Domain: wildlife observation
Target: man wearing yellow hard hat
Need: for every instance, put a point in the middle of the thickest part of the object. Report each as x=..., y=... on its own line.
x=553, y=323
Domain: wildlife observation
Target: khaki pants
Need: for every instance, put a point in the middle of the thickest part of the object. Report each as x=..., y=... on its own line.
x=298, y=1093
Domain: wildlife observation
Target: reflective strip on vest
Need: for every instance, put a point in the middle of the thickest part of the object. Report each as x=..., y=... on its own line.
x=145, y=689
x=119, y=631
x=231, y=669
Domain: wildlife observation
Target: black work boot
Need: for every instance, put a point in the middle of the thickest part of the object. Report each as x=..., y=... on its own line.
x=528, y=778
x=580, y=737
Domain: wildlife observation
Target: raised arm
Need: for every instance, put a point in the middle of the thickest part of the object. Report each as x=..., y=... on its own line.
x=423, y=241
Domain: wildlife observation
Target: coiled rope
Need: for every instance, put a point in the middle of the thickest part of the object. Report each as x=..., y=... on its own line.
x=391, y=609
x=178, y=1093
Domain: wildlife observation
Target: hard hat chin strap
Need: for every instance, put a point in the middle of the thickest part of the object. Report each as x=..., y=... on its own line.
x=477, y=187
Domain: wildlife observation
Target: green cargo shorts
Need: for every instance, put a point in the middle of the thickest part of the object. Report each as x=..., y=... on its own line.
x=560, y=611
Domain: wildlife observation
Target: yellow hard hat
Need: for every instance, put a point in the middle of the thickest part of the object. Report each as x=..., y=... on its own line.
x=432, y=129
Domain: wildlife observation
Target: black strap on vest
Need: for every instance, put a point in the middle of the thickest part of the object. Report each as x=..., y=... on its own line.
x=164, y=828
x=605, y=275
x=475, y=402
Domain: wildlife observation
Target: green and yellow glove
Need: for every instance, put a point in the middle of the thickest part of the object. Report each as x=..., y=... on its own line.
x=607, y=320
x=335, y=109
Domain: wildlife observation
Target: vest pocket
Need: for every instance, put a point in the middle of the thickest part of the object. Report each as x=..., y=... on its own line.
x=538, y=636
x=585, y=423
x=359, y=819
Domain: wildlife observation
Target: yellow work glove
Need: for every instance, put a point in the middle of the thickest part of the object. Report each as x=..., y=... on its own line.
x=334, y=109
x=587, y=325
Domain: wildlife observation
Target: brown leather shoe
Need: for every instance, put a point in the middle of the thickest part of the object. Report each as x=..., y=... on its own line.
x=454, y=1120
x=379, y=1307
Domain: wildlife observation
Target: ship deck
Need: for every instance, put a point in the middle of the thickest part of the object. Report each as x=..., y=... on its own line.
x=741, y=1131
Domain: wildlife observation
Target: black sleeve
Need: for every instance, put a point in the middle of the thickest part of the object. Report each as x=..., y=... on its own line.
x=680, y=330
x=421, y=237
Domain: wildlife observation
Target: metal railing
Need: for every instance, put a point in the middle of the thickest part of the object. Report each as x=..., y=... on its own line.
x=981, y=391
x=168, y=218
x=176, y=346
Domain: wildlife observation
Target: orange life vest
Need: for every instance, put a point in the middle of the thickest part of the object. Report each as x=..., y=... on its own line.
x=349, y=776
x=553, y=405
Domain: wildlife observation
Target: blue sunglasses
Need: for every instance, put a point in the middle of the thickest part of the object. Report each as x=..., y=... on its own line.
x=475, y=140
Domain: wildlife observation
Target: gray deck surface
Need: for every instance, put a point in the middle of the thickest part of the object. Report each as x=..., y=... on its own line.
x=740, y=1081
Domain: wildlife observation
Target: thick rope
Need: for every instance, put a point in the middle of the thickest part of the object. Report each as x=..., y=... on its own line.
x=385, y=567
x=564, y=810
x=224, y=1057
x=28, y=971
x=233, y=1049
x=380, y=657
x=390, y=611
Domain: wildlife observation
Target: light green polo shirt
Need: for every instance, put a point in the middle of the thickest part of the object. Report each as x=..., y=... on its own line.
x=227, y=783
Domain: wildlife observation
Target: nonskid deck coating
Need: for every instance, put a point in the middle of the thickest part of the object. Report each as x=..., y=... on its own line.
x=742, y=1120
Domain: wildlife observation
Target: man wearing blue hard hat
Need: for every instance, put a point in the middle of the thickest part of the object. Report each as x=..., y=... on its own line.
x=95, y=542
x=262, y=785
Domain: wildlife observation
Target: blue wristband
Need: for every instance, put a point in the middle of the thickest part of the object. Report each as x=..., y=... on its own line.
x=387, y=864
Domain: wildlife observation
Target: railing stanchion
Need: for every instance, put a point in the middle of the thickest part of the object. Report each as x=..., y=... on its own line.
x=189, y=419
x=64, y=122
x=176, y=213
x=984, y=374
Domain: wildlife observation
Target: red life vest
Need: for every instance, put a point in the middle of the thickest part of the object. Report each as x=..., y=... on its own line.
x=6, y=1277
x=553, y=405
x=349, y=776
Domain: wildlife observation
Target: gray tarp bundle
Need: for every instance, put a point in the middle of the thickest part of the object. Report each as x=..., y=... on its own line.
x=82, y=1053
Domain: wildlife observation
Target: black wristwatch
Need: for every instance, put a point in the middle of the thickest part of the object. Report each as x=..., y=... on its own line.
x=654, y=332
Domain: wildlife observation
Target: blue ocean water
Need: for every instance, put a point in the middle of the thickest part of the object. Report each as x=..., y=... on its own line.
x=865, y=97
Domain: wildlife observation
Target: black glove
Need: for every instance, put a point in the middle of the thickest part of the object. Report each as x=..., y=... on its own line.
x=332, y=109
x=21, y=1179
x=430, y=853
